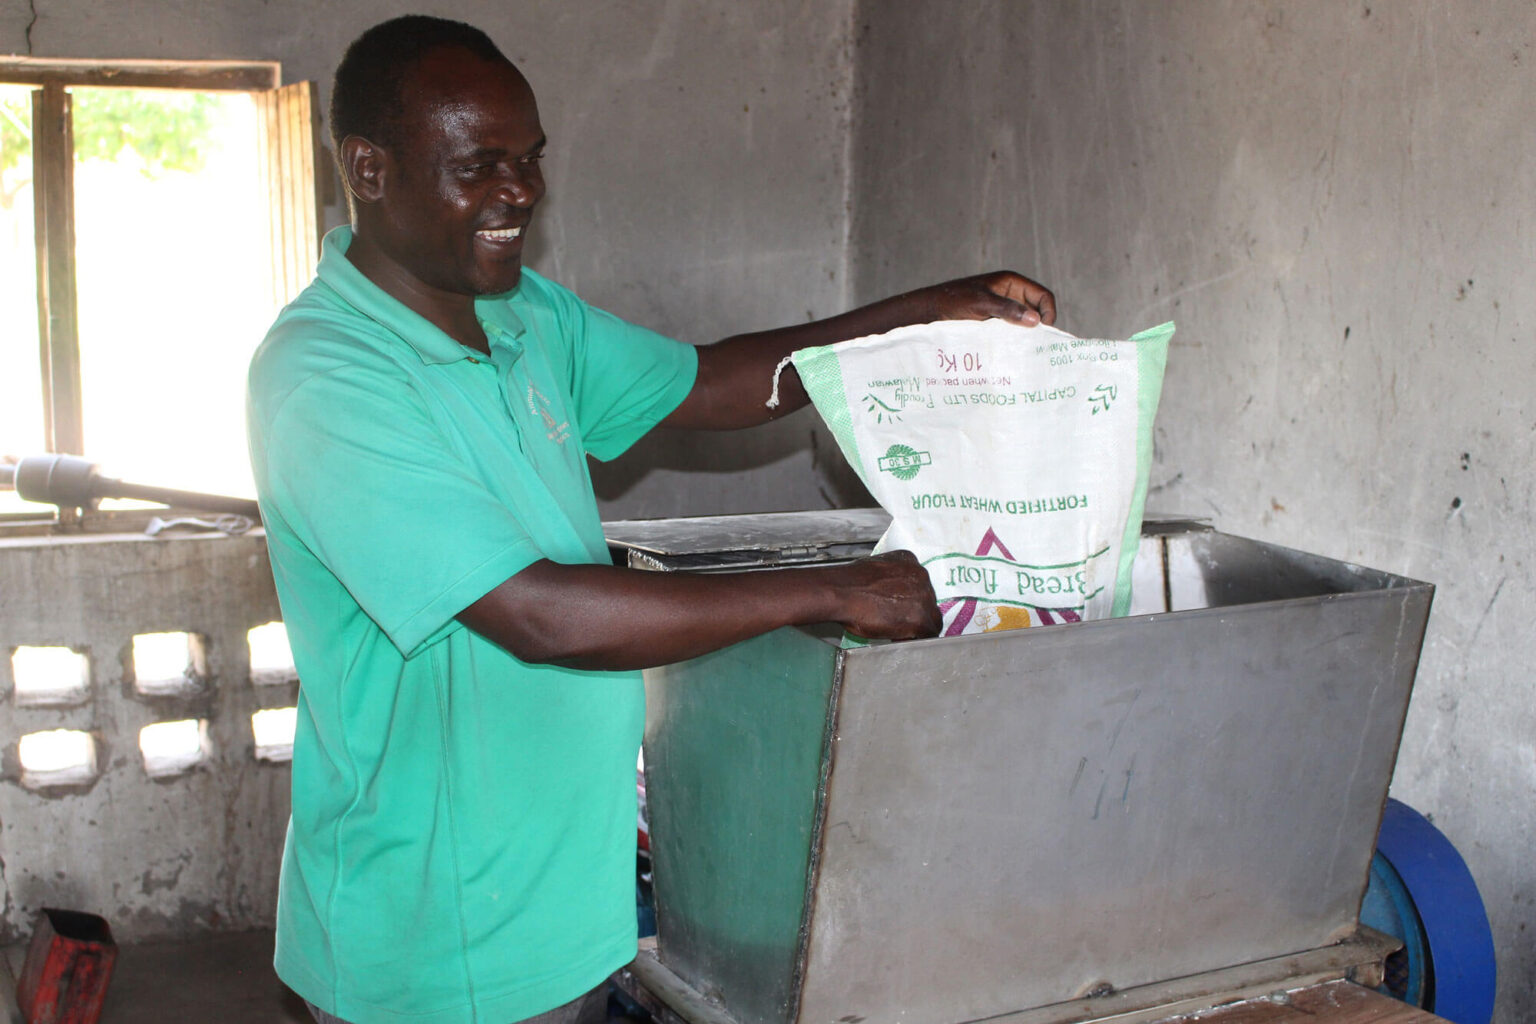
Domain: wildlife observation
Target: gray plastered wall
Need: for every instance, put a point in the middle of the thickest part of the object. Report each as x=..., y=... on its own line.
x=1336, y=201
x=698, y=168
x=155, y=856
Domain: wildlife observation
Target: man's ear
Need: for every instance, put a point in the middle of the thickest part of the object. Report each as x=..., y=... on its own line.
x=362, y=168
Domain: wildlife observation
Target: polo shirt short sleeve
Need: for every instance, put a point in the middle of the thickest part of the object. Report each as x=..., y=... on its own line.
x=613, y=373
x=462, y=839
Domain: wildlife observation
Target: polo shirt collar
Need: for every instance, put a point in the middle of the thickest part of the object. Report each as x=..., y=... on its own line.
x=426, y=338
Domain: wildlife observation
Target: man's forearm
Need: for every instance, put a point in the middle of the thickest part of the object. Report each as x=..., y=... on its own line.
x=743, y=365
x=601, y=617
x=735, y=376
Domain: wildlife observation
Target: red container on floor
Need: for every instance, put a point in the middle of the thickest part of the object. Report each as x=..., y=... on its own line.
x=69, y=965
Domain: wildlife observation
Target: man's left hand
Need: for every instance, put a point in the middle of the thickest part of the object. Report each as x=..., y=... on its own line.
x=1002, y=294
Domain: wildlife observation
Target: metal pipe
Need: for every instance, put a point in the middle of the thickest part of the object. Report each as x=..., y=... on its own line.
x=70, y=481
x=181, y=499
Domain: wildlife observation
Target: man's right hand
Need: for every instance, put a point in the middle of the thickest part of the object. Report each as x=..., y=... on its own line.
x=889, y=597
x=602, y=617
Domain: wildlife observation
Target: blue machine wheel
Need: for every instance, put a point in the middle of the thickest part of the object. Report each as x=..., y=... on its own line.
x=1389, y=908
x=1421, y=891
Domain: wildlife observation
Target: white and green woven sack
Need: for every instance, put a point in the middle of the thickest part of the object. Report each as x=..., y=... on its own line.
x=1013, y=460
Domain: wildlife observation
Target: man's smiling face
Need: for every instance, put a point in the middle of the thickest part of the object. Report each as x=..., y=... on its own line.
x=461, y=175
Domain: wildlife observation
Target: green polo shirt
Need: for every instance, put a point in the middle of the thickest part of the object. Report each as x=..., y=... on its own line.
x=463, y=834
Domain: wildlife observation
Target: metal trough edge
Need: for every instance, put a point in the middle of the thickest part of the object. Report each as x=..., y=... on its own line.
x=1356, y=958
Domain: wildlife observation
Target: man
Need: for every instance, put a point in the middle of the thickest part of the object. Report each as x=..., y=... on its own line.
x=461, y=847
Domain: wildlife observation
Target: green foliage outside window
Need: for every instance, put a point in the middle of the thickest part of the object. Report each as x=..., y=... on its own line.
x=169, y=130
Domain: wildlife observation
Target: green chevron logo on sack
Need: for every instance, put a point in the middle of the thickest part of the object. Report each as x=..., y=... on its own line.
x=903, y=462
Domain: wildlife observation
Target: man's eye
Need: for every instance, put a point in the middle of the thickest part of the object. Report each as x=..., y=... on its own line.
x=475, y=170
x=532, y=158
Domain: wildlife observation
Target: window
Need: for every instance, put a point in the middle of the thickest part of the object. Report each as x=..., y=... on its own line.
x=50, y=676
x=153, y=218
x=174, y=748
x=58, y=757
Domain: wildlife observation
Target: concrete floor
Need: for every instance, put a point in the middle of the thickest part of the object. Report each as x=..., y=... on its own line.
x=227, y=978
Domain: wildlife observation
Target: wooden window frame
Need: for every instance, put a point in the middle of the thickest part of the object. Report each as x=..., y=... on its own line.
x=289, y=146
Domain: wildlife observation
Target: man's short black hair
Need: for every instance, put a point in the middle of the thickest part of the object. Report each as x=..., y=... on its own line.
x=365, y=95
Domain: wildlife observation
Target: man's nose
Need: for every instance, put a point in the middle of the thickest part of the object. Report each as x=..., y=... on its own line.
x=522, y=188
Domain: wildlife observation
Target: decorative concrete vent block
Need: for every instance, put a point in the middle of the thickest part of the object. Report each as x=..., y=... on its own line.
x=273, y=732
x=50, y=676
x=174, y=748
x=271, y=658
x=169, y=664
x=56, y=758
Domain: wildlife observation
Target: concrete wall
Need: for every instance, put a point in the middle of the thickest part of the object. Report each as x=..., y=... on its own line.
x=156, y=856
x=697, y=169
x=698, y=179
x=1337, y=203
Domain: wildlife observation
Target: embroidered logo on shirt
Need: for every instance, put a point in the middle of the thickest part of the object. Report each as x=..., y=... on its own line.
x=540, y=405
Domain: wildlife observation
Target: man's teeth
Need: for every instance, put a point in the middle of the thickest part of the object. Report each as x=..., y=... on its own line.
x=503, y=235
